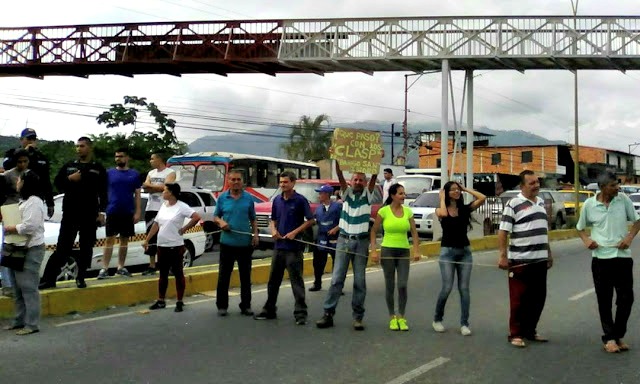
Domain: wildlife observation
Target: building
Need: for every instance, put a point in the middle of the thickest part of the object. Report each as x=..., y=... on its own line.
x=594, y=161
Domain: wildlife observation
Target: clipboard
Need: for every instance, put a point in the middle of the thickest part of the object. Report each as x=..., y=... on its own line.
x=11, y=216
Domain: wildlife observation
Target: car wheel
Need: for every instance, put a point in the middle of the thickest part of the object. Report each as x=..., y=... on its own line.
x=209, y=243
x=189, y=254
x=559, y=222
x=69, y=271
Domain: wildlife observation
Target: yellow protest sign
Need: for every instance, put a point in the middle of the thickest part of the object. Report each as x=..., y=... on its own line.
x=357, y=150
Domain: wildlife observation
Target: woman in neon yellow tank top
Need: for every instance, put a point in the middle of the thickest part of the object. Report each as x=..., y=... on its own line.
x=396, y=220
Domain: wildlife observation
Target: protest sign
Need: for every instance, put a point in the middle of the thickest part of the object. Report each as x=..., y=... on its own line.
x=357, y=150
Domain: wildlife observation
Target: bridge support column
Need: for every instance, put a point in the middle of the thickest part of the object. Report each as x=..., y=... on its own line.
x=469, y=76
x=444, y=129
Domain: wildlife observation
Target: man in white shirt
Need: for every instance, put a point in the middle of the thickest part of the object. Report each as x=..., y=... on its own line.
x=389, y=180
x=154, y=185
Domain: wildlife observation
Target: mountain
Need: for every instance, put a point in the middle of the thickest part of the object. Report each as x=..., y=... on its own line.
x=268, y=142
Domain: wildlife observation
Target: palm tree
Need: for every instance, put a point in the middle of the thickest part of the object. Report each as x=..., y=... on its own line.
x=308, y=140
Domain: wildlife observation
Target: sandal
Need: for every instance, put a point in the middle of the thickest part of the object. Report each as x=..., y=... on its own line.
x=26, y=331
x=539, y=339
x=12, y=327
x=611, y=347
x=518, y=342
x=623, y=346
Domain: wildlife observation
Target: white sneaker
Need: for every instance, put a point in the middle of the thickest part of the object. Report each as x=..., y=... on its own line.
x=437, y=326
x=465, y=331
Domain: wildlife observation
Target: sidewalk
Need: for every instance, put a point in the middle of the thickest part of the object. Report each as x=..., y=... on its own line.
x=121, y=291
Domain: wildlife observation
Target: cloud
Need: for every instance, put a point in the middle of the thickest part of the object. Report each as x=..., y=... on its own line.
x=537, y=101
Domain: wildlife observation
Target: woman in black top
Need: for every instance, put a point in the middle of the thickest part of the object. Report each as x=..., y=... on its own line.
x=455, y=253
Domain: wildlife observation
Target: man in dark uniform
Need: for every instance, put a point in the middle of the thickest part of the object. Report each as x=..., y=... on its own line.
x=38, y=163
x=84, y=184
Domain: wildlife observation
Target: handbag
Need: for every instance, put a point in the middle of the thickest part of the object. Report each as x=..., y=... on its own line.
x=13, y=256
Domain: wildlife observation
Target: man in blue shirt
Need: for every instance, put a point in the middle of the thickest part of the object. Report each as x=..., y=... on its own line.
x=288, y=214
x=236, y=215
x=123, y=211
x=608, y=214
x=327, y=216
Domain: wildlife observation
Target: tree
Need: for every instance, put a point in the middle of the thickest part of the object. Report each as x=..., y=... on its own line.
x=308, y=140
x=164, y=139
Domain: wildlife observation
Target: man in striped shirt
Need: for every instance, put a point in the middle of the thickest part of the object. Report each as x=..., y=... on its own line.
x=352, y=246
x=529, y=256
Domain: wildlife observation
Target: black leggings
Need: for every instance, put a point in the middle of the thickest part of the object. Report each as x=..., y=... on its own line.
x=170, y=258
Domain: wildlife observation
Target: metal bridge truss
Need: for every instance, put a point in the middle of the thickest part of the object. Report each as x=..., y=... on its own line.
x=322, y=46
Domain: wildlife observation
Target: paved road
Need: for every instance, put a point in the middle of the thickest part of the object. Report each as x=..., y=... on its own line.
x=128, y=346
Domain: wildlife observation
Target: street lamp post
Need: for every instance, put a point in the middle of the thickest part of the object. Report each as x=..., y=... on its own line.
x=405, y=128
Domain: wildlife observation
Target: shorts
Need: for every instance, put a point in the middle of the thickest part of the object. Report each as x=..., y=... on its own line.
x=122, y=224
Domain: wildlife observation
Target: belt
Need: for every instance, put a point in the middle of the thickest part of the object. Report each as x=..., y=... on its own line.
x=355, y=237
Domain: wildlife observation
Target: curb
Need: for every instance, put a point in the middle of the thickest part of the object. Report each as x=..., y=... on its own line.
x=64, y=301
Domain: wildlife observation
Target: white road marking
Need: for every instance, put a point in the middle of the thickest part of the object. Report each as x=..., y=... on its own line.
x=582, y=294
x=419, y=371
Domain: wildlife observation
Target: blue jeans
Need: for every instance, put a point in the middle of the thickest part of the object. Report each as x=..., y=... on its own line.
x=355, y=251
x=455, y=260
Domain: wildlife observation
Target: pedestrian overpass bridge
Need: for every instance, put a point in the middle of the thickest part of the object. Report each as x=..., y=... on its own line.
x=323, y=46
x=409, y=44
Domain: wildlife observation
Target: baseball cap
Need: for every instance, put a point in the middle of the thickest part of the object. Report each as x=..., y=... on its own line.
x=325, y=188
x=28, y=132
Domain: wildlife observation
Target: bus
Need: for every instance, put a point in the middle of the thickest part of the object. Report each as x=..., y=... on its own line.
x=208, y=170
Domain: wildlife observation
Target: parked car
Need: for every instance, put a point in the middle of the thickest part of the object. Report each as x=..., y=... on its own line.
x=629, y=189
x=414, y=185
x=554, y=204
x=200, y=200
x=305, y=187
x=569, y=199
x=635, y=198
x=424, y=208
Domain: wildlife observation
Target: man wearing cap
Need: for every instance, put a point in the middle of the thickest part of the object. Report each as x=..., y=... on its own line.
x=389, y=180
x=38, y=163
x=327, y=216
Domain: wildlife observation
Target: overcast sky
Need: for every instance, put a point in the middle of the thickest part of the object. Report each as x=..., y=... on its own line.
x=537, y=101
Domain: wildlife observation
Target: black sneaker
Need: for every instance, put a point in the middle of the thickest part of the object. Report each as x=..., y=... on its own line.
x=246, y=312
x=301, y=321
x=179, y=306
x=80, y=283
x=326, y=321
x=149, y=272
x=264, y=315
x=159, y=304
x=315, y=288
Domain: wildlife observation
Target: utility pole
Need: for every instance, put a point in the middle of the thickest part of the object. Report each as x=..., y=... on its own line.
x=576, y=164
x=405, y=130
x=392, y=144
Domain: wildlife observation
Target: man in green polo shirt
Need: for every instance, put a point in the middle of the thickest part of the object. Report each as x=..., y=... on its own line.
x=608, y=214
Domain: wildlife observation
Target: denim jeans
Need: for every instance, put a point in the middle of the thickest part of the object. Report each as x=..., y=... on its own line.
x=27, y=296
x=355, y=251
x=452, y=261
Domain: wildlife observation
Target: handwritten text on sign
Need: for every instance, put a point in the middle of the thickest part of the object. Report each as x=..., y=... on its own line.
x=357, y=150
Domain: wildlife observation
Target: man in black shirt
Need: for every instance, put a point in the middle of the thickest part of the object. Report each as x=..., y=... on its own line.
x=84, y=184
x=38, y=163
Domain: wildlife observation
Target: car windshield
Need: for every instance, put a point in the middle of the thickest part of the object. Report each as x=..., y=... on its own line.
x=628, y=189
x=211, y=177
x=570, y=197
x=635, y=198
x=305, y=189
x=184, y=174
x=430, y=200
x=414, y=186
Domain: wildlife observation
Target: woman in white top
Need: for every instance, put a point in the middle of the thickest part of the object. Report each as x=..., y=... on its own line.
x=32, y=213
x=169, y=226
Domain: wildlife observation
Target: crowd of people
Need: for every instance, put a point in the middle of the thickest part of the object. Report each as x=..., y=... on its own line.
x=343, y=234
x=93, y=196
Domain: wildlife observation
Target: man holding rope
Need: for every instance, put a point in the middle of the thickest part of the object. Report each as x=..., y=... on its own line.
x=529, y=257
x=236, y=215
